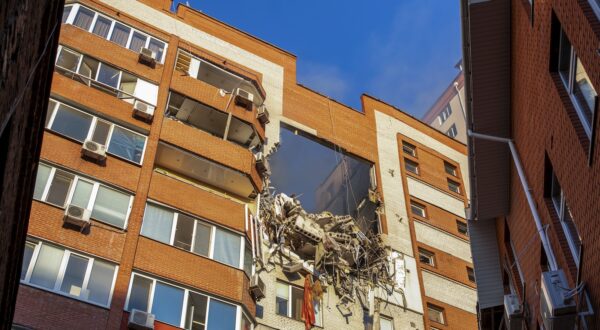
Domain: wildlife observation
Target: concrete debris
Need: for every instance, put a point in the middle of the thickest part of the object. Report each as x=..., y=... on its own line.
x=330, y=247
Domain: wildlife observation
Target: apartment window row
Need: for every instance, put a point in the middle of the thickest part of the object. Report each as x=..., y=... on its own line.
x=289, y=300
x=81, y=126
x=214, y=75
x=61, y=188
x=452, y=131
x=445, y=114
x=185, y=232
x=68, y=273
x=181, y=307
x=565, y=216
x=421, y=211
x=574, y=77
x=112, y=30
x=217, y=123
x=106, y=78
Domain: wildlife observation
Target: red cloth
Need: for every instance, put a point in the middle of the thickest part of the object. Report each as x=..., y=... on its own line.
x=308, y=310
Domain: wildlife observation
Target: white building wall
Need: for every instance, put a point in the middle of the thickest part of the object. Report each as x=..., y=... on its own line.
x=442, y=241
x=447, y=291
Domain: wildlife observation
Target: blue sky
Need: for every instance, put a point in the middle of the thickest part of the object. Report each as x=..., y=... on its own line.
x=400, y=51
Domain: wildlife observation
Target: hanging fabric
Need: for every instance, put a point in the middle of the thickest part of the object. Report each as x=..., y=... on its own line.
x=308, y=312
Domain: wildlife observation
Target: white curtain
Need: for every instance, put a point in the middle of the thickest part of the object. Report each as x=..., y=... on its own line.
x=227, y=248
x=158, y=223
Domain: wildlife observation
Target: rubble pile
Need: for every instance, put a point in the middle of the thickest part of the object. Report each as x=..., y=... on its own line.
x=330, y=247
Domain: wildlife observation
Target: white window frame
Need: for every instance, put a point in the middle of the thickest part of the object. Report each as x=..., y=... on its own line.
x=186, y=293
x=561, y=210
x=570, y=83
x=420, y=207
x=61, y=272
x=453, y=169
x=318, y=323
x=199, y=221
x=409, y=163
x=439, y=309
x=452, y=183
x=429, y=255
x=452, y=131
x=75, y=9
x=91, y=201
x=92, y=128
x=409, y=149
x=387, y=318
x=445, y=114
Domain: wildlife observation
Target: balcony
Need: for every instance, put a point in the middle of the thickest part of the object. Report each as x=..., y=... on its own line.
x=207, y=172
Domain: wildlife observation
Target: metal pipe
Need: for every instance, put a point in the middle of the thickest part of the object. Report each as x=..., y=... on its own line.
x=536, y=217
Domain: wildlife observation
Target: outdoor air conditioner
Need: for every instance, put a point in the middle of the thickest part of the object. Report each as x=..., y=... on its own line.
x=244, y=98
x=143, y=110
x=263, y=115
x=513, y=312
x=558, y=311
x=77, y=216
x=262, y=164
x=257, y=287
x=139, y=320
x=147, y=57
x=93, y=150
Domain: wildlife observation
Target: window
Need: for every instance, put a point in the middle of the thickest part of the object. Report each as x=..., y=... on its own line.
x=185, y=232
x=450, y=169
x=409, y=149
x=427, y=257
x=418, y=209
x=104, y=77
x=462, y=228
x=566, y=217
x=411, y=166
x=454, y=186
x=452, y=132
x=386, y=323
x=435, y=313
x=112, y=30
x=68, y=273
x=289, y=300
x=61, y=188
x=212, y=121
x=166, y=302
x=471, y=274
x=445, y=114
x=574, y=77
x=80, y=126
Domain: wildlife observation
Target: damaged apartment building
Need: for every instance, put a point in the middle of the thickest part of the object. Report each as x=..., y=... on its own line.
x=187, y=180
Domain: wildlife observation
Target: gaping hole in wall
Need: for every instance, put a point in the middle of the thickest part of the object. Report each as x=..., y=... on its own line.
x=323, y=177
x=212, y=121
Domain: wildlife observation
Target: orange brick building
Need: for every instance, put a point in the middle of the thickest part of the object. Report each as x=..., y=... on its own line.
x=156, y=123
x=532, y=74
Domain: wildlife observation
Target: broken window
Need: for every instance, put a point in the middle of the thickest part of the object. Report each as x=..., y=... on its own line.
x=411, y=166
x=289, y=300
x=211, y=120
x=426, y=257
x=323, y=177
x=454, y=186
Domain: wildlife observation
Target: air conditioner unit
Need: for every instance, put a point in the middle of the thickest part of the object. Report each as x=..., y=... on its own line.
x=263, y=115
x=513, y=312
x=93, y=150
x=262, y=164
x=558, y=312
x=143, y=110
x=244, y=98
x=147, y=57
x=77, y=216
x=139, y=320
x=257, y=287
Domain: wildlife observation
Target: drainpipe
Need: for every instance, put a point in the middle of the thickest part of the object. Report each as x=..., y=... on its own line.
x=460, y=101
x=536, y=217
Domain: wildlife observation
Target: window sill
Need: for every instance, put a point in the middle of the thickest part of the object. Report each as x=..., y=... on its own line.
x=569, y=107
